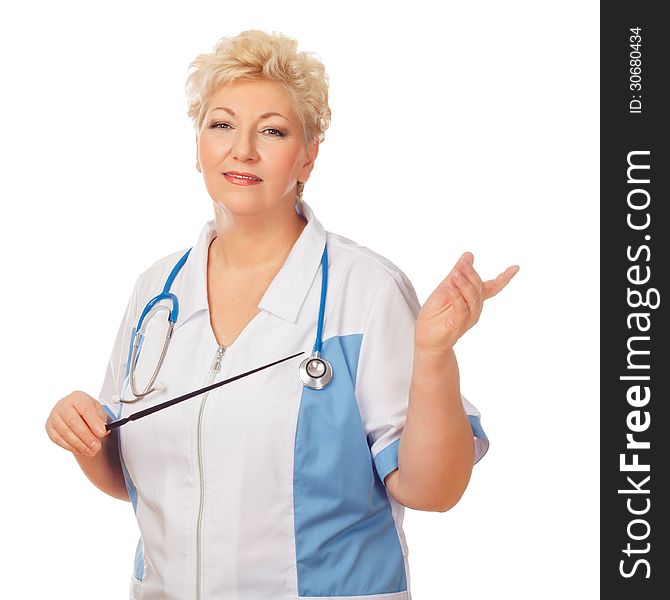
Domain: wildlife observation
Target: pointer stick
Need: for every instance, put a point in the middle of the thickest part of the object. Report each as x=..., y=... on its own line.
x=162, y=405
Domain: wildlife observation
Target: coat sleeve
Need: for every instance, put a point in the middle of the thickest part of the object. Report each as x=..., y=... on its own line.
x=116, y=374
x=384, y=373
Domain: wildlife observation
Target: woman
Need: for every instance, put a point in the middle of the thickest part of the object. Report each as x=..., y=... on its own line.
x=266, y=487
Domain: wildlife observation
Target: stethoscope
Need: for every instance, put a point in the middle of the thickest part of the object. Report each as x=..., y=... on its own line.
x=315, y=371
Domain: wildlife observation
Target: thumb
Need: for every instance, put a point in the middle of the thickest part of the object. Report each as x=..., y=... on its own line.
x=104, y=416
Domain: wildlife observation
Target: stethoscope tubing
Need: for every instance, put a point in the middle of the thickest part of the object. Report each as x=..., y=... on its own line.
x=315, y=371
x=322, y=303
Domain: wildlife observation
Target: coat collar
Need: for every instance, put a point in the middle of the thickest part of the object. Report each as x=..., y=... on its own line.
x=287, y=291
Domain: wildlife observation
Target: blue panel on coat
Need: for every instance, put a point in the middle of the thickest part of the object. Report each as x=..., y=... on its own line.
x=476, y=425
x=138, y=568
x=130, y=486
x=387, y=460
x=346, y=540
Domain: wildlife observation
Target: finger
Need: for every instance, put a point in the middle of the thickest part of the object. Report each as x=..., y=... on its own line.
x=462, y=258
x=441, y=298
x=75, y=431
x=492, y=287
x=468, y=269
x=451, y=273
x=459, y=305
x=61, y=425
x=472, y=296
x=469, y=256
x=90, y=412
x=57, y=438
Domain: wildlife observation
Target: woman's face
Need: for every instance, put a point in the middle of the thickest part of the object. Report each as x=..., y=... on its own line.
x=237, y=134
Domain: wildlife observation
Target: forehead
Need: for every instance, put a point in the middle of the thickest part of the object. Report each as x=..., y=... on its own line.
x=252, y=98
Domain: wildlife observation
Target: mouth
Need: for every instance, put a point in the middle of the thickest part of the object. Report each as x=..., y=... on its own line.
x=244, y=178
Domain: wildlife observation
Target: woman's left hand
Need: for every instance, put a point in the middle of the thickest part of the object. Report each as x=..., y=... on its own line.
x=455, y=306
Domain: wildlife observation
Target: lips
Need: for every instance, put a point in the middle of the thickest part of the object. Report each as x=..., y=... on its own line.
x=243, y=176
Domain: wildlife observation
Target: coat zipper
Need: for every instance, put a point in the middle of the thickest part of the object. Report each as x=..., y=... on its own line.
x=221, y=350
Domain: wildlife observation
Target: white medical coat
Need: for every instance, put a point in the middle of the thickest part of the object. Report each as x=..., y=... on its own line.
x=263, y=489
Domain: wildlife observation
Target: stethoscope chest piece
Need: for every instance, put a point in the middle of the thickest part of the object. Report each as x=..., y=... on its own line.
x=315, y=372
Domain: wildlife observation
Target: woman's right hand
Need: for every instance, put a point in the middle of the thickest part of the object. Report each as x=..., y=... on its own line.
x=77, y=423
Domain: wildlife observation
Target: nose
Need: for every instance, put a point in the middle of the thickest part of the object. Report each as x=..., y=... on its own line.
x=243, y=146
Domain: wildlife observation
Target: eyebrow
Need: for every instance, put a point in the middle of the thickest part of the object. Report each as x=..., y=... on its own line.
x=263, y=116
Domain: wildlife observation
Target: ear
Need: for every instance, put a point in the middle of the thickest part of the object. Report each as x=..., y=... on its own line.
x=197, y=156
x=310, y=157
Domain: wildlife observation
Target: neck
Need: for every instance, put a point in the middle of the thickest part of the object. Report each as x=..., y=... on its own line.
x=255, y=241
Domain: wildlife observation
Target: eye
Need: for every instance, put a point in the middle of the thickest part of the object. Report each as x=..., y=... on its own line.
x=220, y=125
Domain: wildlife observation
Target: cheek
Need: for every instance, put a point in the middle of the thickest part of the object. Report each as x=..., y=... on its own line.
x=210, y=151
x=288, y=164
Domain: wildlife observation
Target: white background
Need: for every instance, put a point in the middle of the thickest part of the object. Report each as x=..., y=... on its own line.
x=456, y=126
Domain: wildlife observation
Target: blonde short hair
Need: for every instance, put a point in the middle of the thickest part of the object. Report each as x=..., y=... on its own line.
x=257, y=55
